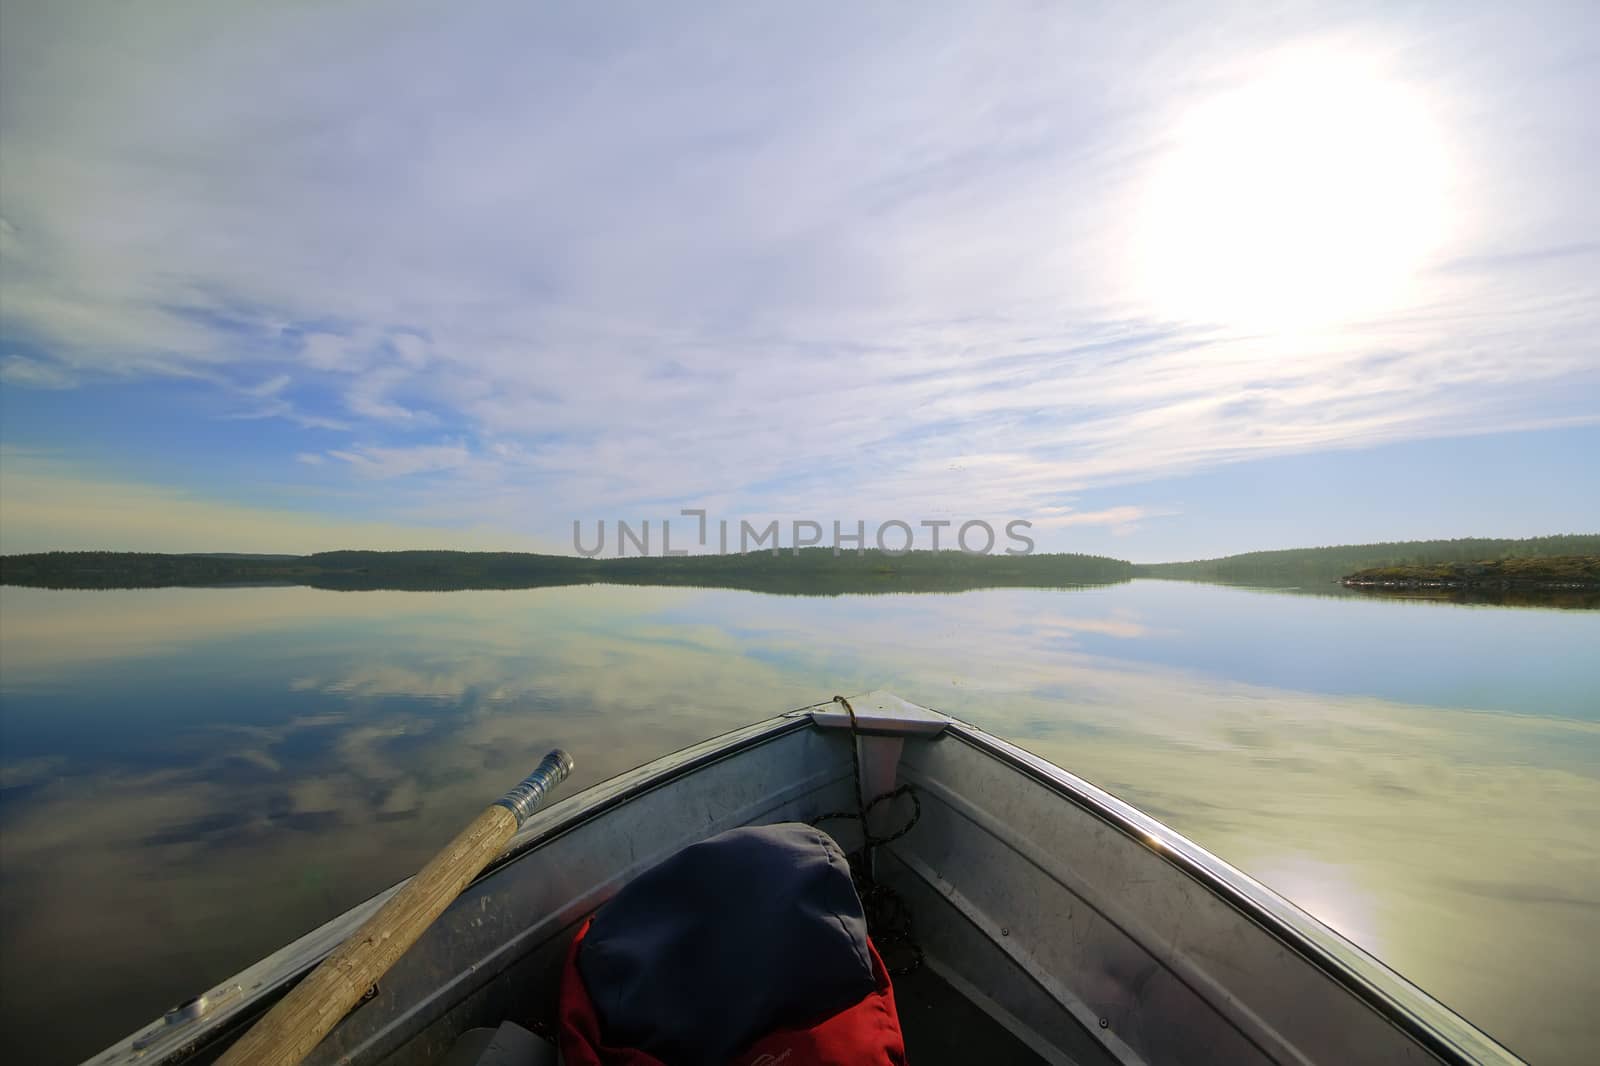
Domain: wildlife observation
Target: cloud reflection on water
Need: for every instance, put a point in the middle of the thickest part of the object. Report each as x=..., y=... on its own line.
x=324, y=743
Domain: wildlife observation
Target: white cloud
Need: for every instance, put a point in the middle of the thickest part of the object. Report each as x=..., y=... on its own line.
x=330, y=351
x=399, y=462
x=368, y=396
x=1121, y=520
x=274, y=407
x=271, y=387
x=35, y=373
x=412, y=349
x=877, y=261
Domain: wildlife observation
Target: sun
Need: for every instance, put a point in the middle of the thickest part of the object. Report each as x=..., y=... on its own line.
x=1305, y=198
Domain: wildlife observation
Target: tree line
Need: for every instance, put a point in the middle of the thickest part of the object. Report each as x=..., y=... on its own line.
x=1331, y=564
x=810, y=571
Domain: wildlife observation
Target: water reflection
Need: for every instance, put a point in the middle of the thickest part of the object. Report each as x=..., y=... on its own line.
x=191, y=777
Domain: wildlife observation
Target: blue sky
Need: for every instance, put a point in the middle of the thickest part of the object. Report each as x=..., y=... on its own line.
x=1169, y=281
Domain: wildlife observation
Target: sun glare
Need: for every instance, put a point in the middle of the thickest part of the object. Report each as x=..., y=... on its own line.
x=1329, y=893
x=1307, y=197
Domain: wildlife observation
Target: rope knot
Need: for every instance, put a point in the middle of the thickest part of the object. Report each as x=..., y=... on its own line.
x=888, y=918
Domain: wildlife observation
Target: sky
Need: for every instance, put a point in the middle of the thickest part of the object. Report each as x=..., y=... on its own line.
x=1167, y=281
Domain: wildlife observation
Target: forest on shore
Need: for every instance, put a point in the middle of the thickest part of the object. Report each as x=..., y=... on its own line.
x=1331, y=565
x=1532, y=565
x=810, y=571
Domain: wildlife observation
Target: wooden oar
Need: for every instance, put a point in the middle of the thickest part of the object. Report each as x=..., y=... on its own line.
x=300, y=1019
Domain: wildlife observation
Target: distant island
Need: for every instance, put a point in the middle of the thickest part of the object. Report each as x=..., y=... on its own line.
x=1552, y=571
x=809, y=572
x=1556, y=572
x=1497, y=580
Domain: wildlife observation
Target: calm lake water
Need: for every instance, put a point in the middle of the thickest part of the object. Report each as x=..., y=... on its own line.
x=191, y=777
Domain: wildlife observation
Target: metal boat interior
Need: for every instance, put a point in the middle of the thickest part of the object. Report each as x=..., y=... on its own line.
x=1058, y=924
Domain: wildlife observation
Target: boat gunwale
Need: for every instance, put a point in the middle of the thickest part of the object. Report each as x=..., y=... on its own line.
x=1439, y=1029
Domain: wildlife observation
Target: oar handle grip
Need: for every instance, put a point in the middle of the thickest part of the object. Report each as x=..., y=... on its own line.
x=523, y=800
x=299, y=1021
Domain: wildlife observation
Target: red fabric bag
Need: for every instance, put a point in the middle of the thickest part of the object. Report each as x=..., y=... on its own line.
x=866, y=1034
